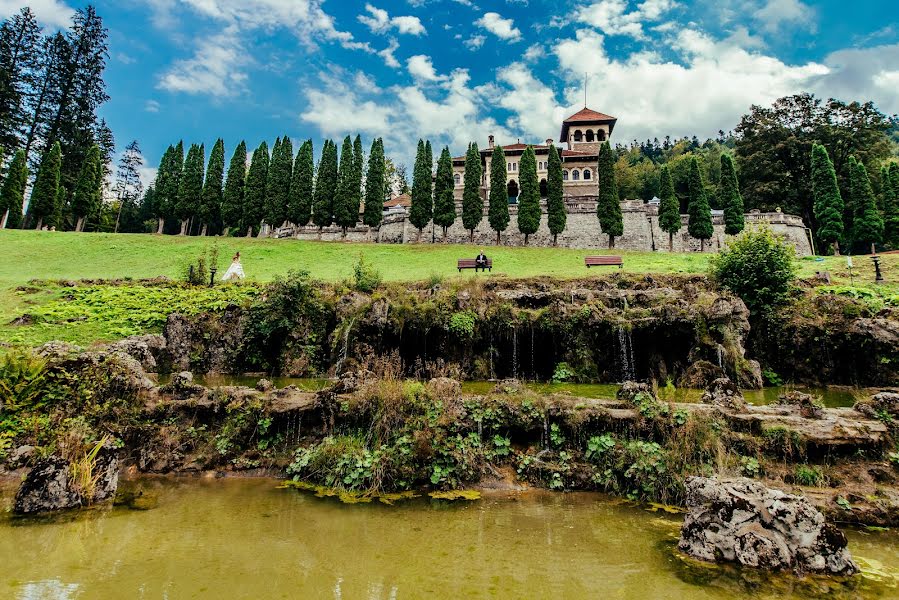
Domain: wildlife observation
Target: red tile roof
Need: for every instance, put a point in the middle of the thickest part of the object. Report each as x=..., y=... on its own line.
x=404, y=200
x=585, y=114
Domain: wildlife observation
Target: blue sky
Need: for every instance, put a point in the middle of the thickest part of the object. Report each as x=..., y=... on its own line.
x=458, y=70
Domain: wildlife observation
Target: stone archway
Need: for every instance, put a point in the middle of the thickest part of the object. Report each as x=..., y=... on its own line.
x=512, y=189
x=544, y=188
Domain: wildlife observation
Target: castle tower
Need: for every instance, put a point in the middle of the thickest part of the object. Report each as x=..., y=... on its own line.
x=586, y=129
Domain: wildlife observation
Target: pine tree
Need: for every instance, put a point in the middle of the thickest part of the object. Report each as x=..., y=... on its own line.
x=608, y=208
x=277, y=190
x=87, y=196
x=891, y=208
x=190, y=190
x=211, y=203
x=498, y=200
x=420, y=212
x=358, y=165
x=344, y=215
x=55, y=220
x=472, y=202
x=325, y=186
x=828, y=204
x=20, y=56
x=302, y=186
x=444, y=202
x=529, y=197
x=12, y=194
x=254, y=193
x=375, y=185
x=168, y=179
x=885, y=188
x=42, y=206
x=233, y=195
x=700, y=223
x=849, y=202
x=669, y=208
x=129, y=189
x=729, y=197
x=867, y=227
x=556, y=215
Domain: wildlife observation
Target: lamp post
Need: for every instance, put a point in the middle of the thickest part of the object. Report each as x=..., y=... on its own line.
x=212, y=272
x=878, y=276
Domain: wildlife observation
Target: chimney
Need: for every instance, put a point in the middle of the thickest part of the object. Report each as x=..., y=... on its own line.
x=549, y=141
x=490, y=141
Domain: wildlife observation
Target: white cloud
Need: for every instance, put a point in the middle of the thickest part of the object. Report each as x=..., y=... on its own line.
x=421, y=68
x=387, y=54
x=474, y=42
x=502, y=28
x=379, y=21
x=863, y=74
x=614, y=18
x=215, y=68
x=534, y=52
x=776, y=13
x=152, y=106
x=49, y=13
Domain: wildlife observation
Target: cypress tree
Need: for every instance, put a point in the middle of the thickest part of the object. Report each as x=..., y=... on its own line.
x=422, y=194
x=885, y=188
x=166, y=186
x=358, y=166
x=87, y=197
x=556, y=215
x=190, y=190
x=891, y=209
x=42, y=205
x=700, y=223
x=325, y=186
x=608, y=208
x=498, y=200
x=669, y=208
x=444, y=202
x=472, y=202
x=254, y=193
x=277, y=189
x=55, y=220
x=375, y=185
x=867, y=227
x=730, y=198
x=344, y=215
x=233, y=196
x=12, y=195
x=211, y=203
x=302, y=184
x=828, y=204
x=529, y=196
x=849, y=202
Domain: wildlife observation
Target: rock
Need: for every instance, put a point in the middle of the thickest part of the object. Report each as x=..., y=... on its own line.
x=205, y=343
x=744, y=522
x=445, y=388
x=58, y=350
x=264, y=385
x=808, y=407
x=724, y=393
x=19, y=457
x=749, y=375
x=880, y=403
x=49, y=486
x=182, y=386
x=378, y=315
x=508, y=386
x=143, y=348
x=700, y=375
x=631, y=389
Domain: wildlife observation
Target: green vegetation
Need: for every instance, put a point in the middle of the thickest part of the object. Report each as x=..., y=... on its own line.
x=277, y=187
x=42, y=206
x=375, y=184
x=669, y=208
x=444, y=204
x=209, y=212
x=529, y=196
x=700, y=223
x=729, y=197
x=366, y=277
x=498, y=201
x=325, y=192
x=299, y=203
x=472, y=203
x=608, y=209
x=422, y=207
x=346, y=204
x=828, y=205
x=254, y=192
x=556, y=212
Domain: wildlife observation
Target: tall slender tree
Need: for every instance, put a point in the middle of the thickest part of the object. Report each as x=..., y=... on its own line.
x=344, y=215
x=891, y=208
x=420, y=212
x=608, y=208
x=210, y=209
x=444, y=185
x=375, y=185
x=129, y=189
x=254, y=193
x=529, y=196
x=233, y=195
x=730, y=198
x=190, y=190
x=828, y=204
x=556, y=215
x=472, y=202
x=498, y=199
x=700, y=223
x=88, y=193
x=325, y=186
x=277, y=190
x=168, y=179
x=20, y=57
x=358, y=166
x=12, y=194
x=302, y=186
x=867, y=227
x=669, y=207
x=42, y=206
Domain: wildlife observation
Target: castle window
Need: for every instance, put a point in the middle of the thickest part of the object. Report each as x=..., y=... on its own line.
x=457, y=178
x=575, y=174
x=587, y=174
x=578, y=136
x=565, y=175
x=589, y=137
x=601, y=135
x=544, y=189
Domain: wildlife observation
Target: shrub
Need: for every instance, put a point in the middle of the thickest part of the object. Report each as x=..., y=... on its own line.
x=808, y=476
x=757, y=266
x=366, y=277
x=562, y=373
x=462, y=324
x=22, y=378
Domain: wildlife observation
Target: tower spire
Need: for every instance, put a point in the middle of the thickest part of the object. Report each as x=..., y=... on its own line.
x=585, y=90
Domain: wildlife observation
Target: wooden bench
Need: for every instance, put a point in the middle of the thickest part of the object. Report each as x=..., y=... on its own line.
x=604, y=261
x=470, y=263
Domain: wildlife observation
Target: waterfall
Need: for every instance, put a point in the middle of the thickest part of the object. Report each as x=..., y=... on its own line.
x=515, y=352
x=490, y=354
x=346, y=346
x=533, y=366
x=545, y=431
x=626, y=350
x=720, y=350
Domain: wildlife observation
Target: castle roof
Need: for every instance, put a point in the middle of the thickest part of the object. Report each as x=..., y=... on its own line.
x=586, y=116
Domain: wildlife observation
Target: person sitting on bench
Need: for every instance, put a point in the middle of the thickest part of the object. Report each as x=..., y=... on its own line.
x=481, y=261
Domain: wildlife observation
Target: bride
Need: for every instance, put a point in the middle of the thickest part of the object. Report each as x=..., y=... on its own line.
x=235, y=271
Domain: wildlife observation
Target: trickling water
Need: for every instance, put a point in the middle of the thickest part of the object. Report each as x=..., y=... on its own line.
x=625, y=302
x=346, y=346
x=626, y=351
x=480, y=429
x=533, y=367
x=490, y=354
x=720, y=351
x=515, y=353
x=545, y=431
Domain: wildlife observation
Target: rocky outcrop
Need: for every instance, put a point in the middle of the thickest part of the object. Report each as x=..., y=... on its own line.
x=807, y=406
x=724, y=393
x=182, y=386
x=879, y=404
x=741, y=521
x=206, y=343
x=145, y=349
x=700, y=375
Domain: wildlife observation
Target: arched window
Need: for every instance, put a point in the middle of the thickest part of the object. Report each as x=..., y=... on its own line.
x=544, y=189
x=512, y=189
x=578, y=135
x=575, y=174
x=587, y=174
x=458, y=179
x=564, y=175
x=601, y=135
x=589, y=137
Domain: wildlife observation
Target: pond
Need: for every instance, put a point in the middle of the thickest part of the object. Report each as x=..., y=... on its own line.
x=245, y=538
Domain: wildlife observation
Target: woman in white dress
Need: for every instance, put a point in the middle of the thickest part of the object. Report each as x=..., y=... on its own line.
x=235, y=271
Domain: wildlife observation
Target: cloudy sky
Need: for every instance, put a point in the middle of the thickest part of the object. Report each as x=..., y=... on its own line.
x=458, y=70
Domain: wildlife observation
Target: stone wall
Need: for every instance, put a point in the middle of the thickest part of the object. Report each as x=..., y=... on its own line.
x=641, y=230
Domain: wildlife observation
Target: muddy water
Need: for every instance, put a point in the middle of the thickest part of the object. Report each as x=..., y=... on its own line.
x=244, y=538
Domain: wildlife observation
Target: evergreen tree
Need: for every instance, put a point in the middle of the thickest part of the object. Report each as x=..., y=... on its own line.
x=608, y=207
x=254, y=192
x=867, y=227
x=849, y=199
x=56, y=218
x=891, y=208
x=190, y=190
x=729, y=197
x=20, y=57
x=42, y=206
x=472, y=202
x=444, y=202
x=529, y=197
x=498, y=200
x=12, y=194
x=233, y=195
x=556, y=214
x=358, y=166
x=344, y=215
x=302, y=186
x=277, y=190
x=886, y=189
x=129, y=189
x=420, y=212
x=375, y=185
x=828, y=205
x=669, y=208
x=700, y=223
x=325, y=186
x=168, y=179
x=211, y=204
x=87, y=197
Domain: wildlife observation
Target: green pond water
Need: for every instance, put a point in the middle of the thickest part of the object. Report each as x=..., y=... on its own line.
x=245, y=538
x=832, y=397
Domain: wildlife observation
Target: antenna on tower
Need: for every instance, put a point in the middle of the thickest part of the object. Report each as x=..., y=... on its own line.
x=585, y=90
